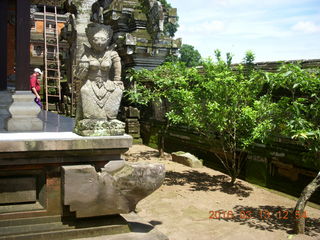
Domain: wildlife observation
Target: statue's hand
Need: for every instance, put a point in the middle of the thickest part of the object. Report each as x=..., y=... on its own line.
x=119, y=84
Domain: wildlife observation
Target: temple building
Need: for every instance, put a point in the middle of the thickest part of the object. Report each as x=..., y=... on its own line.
x=55, y=182
x=140, y=36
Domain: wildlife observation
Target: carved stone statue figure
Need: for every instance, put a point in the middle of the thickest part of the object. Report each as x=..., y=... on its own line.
x=155, y=16
x=97, y=10
x=99, y=70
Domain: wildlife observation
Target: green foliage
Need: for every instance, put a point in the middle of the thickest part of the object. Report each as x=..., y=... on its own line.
x=249, y=57
x=236, y=107
x=218, y=104
x=165, y=4
x=189, y=55
x=229, y=56
x=296, y=93
x=217, y=54
x=248, y=62
x=171, y=28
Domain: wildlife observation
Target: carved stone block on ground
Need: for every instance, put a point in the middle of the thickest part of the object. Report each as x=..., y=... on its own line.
x=187, y=159
x=90, y=193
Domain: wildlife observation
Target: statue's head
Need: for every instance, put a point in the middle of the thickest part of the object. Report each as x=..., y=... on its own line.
x=99, y=36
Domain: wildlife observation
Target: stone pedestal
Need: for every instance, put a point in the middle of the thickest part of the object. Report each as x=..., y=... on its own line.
x=24, y=113
x=97, y=127
x=5, y=101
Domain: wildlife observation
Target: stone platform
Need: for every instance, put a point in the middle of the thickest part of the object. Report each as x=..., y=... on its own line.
x=32, y=181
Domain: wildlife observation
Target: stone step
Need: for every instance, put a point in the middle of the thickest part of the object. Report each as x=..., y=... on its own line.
x=56, y=228
x=33, y=228
x=28, y=221
x=66, y=234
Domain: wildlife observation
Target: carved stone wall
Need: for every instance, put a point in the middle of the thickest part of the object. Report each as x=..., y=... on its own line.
x=139, y=32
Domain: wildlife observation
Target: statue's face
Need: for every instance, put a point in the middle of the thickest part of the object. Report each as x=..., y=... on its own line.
x=100, y=41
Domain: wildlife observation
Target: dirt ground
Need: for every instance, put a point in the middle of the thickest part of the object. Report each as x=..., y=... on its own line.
x=181, y=208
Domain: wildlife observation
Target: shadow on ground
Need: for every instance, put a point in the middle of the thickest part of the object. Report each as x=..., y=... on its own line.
x=268, y=218
x=140, y=227
x=201, y=181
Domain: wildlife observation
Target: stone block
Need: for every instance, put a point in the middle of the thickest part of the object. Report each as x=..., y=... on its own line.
x=17, y=190
x=132, y=112
x=186, y=159
x=116, y=189
x=73, y=143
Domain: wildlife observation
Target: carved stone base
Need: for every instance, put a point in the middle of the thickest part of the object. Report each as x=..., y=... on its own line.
x=24, y=113
x=90, y=193
x=97, y=127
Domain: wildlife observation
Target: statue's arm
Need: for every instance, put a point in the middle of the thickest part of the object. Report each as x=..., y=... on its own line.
x=83, y=67
x=116, y=61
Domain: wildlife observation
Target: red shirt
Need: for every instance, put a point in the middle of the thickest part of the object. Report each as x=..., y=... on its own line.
x=34, y=82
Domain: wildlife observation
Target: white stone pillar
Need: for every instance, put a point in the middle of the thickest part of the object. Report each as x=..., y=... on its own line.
x=24, y=113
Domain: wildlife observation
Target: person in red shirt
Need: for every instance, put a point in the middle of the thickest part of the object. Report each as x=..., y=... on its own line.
x=35, y=85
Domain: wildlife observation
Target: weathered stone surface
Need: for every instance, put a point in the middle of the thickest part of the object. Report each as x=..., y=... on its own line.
x=24, y=113
x=58, y=144
x=96, y=127
x=17, y=190
x=142, y=36
x=90, y=193
x=114, y=166
x=187, y=159
x=132, y=112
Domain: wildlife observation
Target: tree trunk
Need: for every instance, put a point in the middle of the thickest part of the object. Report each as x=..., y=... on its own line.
x=233, y=180
x=161, y=135
x=299, y=222
x=161, y=145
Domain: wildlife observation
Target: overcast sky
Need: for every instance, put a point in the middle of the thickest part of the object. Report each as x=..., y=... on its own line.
x=272, y=29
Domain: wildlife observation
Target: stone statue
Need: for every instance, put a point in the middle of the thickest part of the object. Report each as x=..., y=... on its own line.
x=99, y=70
x=155, y=17
x=97, y=10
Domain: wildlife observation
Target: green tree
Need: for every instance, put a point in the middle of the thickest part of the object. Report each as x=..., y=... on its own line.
x=298, y=116
x=225, y=107
x=217, y=104
x=249, y=57
x=248, y=62
x=189, y=55
x=160, y=82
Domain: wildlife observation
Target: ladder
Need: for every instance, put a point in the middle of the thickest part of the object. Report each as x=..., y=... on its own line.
x=52, y=86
